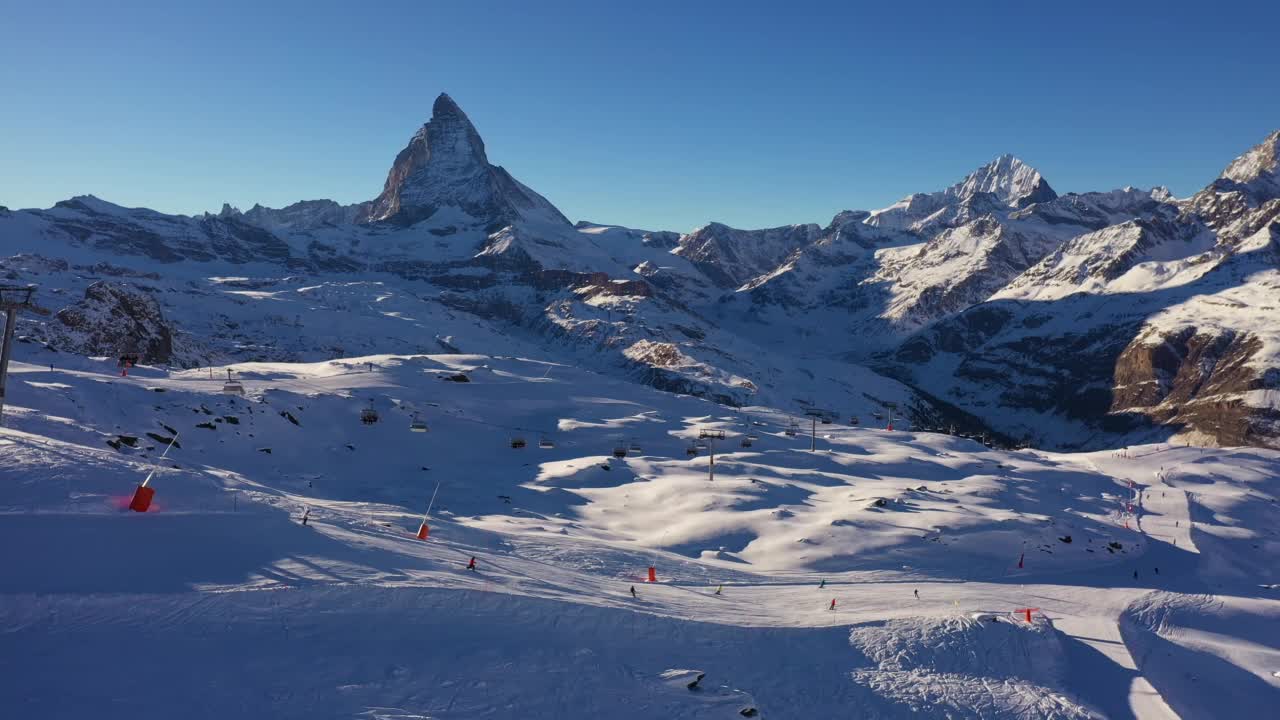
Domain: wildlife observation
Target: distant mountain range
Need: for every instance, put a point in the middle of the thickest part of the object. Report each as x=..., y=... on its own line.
x=998, y=305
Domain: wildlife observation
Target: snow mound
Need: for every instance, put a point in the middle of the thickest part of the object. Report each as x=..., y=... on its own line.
x=962, y=667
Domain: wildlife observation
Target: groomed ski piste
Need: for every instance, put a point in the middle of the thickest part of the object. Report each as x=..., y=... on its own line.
x=885, y=574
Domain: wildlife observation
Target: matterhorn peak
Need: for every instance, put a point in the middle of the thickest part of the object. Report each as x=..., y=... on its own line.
x=445, y=165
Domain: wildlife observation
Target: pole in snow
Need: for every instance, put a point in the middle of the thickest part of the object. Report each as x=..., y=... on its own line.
x=423, y=530
x=142, y=496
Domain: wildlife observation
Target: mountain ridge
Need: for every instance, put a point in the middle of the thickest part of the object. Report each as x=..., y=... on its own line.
x=925, y=285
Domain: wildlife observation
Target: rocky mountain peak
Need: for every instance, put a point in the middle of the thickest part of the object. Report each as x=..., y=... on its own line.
x=1260, y=163
x=445, y=165
x=1246, y=187
x=1009, y=179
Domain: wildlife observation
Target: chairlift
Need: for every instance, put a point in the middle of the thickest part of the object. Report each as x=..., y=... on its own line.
x=545, y=443
x=517, y=443
x=369, y=415
x=418, y=424
x=232, y=386
x=792, y=429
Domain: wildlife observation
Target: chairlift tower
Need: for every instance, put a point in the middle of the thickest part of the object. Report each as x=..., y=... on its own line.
x=814, y=414
x=710, y=436
x=13, y=298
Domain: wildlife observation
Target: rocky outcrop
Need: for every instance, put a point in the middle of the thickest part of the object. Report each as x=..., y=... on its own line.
x=1200, y=381
x=114, y=320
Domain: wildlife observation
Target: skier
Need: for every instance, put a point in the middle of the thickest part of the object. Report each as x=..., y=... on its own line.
x=306, y=516
x=472, y=565
x=917, y=592
x=822, y=584
x=833, y=604
x=633, y=591
x=719, y=588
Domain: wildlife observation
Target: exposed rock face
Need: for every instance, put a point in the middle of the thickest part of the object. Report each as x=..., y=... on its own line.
x=444, y=165
x=113, y=320
x=1200, y=381
x=1249, y=182
x=304, y=215
x=115, y=231
x=731, y=257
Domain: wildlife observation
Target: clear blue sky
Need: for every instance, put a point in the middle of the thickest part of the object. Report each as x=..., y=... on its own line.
x=651, y=114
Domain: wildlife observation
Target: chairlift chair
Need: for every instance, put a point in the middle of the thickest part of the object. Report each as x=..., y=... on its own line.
x=635, y=447
x=792, y=429
x=517, y=443
x=620, y=451
x=853, y=420
x=692, y=450
x=545, y=443
x=418, y=424
x=369, y=415
x=746, y=441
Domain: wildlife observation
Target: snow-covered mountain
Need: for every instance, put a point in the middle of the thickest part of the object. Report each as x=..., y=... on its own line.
x=1161, y=318
x=626, y=515
x=997, y=301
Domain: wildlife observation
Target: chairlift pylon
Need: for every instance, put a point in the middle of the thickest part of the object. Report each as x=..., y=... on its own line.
x=232, y=386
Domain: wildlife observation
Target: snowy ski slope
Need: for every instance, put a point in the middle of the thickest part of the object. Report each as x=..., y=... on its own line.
x=219, y=603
